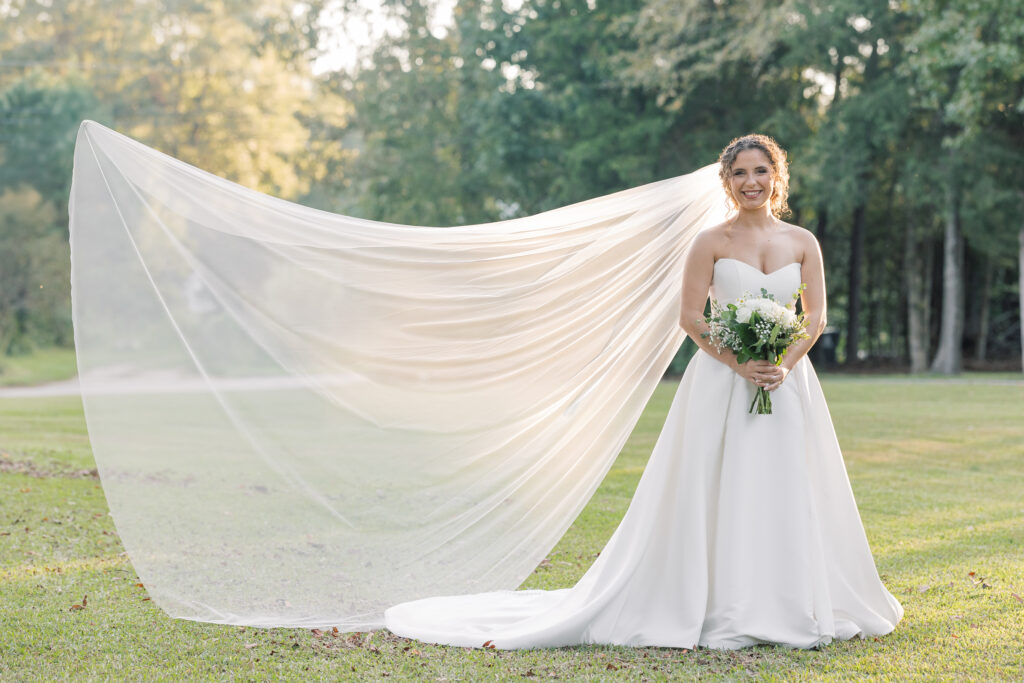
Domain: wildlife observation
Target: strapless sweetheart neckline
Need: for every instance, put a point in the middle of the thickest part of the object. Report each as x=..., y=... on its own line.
x=755, y=268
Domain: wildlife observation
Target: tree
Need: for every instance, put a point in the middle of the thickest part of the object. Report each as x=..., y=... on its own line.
x=417, y=125
x=718, y=68
x=41, y=114
x=507, y=112
x=604, y=133
x=34, y=272
x=217, y=84
x=224, y=85
x=968, y=66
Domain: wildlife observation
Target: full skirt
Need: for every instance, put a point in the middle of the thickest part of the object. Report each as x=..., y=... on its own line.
x=743, y=530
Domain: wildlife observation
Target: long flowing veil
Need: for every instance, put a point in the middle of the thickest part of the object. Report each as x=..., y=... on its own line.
x=302, y=418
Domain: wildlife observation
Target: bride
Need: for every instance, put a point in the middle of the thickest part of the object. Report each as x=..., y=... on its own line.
x=743, y=529
x=304, y=419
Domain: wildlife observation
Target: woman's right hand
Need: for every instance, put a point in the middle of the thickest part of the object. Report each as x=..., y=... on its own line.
x=757, y=372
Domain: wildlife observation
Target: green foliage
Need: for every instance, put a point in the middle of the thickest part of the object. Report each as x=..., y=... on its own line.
x=968, y=60
x=34, y=274
x=965, y=73
x=419, y=128
x=887, y=108
x=600, y=132
x=507, y=113
x=41, y=114
x=219, y=84
x=224, y=85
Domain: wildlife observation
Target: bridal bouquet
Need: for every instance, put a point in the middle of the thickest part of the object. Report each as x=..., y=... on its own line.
x=756, y=328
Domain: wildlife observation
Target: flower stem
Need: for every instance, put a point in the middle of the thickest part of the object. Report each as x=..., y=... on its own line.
x=763, y=401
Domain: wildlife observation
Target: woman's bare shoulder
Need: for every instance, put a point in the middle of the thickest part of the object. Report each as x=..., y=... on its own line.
x=804, y=241
x=711, y=238
x=795, y=229
x=801, y=235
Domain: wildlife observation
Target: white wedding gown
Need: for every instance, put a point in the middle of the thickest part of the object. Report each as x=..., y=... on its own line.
x=743, y=530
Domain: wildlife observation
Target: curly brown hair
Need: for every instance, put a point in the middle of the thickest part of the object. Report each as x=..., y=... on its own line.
x=776, y=156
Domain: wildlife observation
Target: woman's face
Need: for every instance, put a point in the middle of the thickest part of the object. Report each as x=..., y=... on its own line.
x=752, y=180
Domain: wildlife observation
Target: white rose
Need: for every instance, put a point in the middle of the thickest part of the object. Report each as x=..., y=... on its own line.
x=766, y=308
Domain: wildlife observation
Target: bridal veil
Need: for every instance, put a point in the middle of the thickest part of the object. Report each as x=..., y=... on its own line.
x=302, y=418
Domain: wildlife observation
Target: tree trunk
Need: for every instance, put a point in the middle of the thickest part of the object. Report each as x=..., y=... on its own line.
x=951, y=328
x=984, y=307
x=873, y=311
x=854, y=282
x=1020, y=270
x=918, y=278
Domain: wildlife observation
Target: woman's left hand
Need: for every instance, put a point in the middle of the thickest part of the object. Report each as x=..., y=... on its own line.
x=778, y=376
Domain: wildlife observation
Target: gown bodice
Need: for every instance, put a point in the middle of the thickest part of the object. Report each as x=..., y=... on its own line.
x=733, y=278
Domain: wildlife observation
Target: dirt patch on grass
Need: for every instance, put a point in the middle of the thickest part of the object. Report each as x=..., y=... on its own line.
x=34, y=469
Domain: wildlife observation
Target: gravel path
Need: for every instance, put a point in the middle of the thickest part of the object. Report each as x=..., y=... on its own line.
x=68, y=387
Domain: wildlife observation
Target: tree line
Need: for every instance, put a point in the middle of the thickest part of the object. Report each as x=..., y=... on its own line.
x=904, y=120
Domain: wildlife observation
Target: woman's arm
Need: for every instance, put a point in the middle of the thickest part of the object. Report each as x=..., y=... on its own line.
x=697, y=273
x=812, y=300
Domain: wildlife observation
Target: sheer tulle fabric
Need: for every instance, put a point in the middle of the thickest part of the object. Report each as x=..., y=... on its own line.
x=301, y=418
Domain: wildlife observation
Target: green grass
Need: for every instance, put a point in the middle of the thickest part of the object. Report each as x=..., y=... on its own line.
x=937, y=469
x=38, y=367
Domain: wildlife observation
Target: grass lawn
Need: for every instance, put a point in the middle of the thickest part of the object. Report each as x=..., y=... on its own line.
x=38, y=367
x=937, y=468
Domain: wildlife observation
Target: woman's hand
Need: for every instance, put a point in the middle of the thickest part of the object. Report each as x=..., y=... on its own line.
x=762, y=373
x=781, y=372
